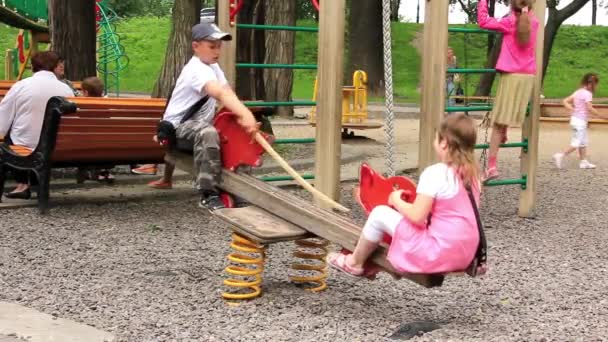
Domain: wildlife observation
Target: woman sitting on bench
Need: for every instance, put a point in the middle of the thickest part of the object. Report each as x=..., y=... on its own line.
x=22, y=112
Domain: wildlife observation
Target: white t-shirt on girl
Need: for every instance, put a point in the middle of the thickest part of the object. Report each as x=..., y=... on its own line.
x=438, y=181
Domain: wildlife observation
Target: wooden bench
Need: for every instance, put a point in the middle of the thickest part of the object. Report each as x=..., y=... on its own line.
x=87, y=132
x=5, y=85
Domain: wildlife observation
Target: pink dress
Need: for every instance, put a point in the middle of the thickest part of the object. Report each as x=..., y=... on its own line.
x=447, y=244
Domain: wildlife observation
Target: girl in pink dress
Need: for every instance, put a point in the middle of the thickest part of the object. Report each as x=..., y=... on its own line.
x=438, y=232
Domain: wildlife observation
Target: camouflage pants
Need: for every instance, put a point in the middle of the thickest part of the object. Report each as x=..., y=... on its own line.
x=207, y=157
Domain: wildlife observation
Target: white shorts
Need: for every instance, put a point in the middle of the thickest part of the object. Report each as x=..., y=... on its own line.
x=579, y=136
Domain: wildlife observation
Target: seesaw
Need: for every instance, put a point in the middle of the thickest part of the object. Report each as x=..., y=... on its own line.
x=275, y=215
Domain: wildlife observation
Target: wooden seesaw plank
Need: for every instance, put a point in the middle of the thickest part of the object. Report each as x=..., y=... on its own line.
x=261, y=226
x=323, y=223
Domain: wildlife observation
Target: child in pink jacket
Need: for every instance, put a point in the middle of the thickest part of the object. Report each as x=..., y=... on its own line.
x=517, y=67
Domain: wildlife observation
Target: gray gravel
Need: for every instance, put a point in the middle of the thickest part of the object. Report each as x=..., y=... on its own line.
x=152, y=271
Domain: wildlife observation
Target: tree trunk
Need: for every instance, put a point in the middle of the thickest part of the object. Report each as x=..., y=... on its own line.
x=179, y=45
x=395, y=4
x=280, y=46
x=554, y=21
x=73, y=37
x=492, y=51
x=250, y=49
x=486, y=80
x=366, y=43
x=593, y=12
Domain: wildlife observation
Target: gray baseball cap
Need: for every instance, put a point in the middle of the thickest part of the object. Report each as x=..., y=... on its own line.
x=205, y=31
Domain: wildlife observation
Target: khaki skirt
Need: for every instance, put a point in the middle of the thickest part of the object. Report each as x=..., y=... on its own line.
x=514, y=93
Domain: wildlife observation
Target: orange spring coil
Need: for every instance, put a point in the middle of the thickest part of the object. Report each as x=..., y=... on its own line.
x=248, y=277
x=313, y=252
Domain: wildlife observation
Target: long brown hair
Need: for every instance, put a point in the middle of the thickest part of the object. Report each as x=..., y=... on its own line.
x=590, y=81
x=460, y=134
x=523, y=23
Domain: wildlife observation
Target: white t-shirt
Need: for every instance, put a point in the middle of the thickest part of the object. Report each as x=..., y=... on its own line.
x=189, y=89
x=438, y=181
x=580, y=99
x=22, y=108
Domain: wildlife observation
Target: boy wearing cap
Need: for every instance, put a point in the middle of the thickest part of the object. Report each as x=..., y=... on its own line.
x=202, y=77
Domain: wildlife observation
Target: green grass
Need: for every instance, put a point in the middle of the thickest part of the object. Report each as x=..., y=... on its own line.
x=575, y=52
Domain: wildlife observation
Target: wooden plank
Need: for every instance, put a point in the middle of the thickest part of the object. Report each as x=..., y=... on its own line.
x=259, y=225
x=228, y=56
x=102, y=154
x=530, y=128
x=329, y=99
x=304, y=214
x=367, y=124
x=567, y=120
x=8, y=67
x=109, y=129
x=558, y=110
x=119, y=113
x=118, y=103
x=76, y=120
x=434, y=68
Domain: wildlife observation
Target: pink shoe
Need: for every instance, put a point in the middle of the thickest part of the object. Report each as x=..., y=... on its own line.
x=160, y=184
x=490, y=174
x=147, y=169
x=338, y=262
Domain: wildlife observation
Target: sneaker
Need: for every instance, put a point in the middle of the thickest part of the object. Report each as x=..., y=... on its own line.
x=148, y=169
x=558, y=158
x=211, y=202
x=160, y=184
x=586, y=165
x=490, y=174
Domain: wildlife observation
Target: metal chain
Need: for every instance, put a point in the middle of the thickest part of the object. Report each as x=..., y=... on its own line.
x=485, y=124
x=389, y=128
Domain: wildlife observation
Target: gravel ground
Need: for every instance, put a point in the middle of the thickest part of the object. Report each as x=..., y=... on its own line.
x=152, y=271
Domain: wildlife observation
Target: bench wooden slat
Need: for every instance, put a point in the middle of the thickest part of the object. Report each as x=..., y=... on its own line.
x=74, y=120
x=261, y=226
x=149, y=130
x=118, y=103
x=95, y=155
x=126, y=113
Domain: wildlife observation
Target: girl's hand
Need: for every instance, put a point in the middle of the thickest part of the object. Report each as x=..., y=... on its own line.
x=395, y=197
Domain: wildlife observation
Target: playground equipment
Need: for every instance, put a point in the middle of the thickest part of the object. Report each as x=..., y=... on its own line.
x=32, y=16
x=433, y=73
x=354, y=105
x=16, y=59
x=111, y=56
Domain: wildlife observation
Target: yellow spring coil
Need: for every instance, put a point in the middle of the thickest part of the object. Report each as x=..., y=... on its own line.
x=314, y=250
x=249, y=277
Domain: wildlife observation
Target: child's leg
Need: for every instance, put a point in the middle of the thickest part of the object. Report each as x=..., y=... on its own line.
x=496, y=138
x=381, y=220
x=582, y=153
x=168, y=174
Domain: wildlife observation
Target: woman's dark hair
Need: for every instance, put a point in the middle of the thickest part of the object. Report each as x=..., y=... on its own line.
x=44, y=61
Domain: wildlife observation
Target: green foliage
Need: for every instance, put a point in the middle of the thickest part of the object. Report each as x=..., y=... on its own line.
x=132, y=8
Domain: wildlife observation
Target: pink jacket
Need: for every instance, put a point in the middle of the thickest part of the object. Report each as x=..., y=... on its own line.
x=514, y=57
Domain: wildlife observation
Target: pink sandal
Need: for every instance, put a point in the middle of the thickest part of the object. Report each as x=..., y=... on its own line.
x=490, y=174
x=338, y=262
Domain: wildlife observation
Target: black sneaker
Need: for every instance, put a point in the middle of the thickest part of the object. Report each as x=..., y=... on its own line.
x=211, y=202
